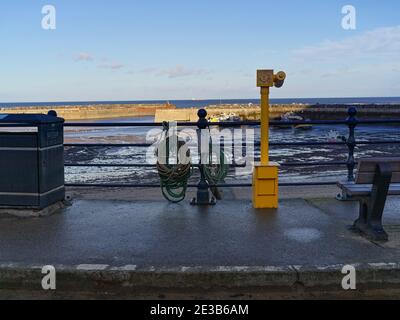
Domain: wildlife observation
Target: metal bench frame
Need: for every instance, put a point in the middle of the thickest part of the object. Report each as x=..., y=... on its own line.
x=372, y=203
x=372, y=207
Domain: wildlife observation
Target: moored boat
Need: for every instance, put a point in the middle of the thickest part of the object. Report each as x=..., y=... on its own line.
x=291, y=116
x=232, y=117
x=303, y=126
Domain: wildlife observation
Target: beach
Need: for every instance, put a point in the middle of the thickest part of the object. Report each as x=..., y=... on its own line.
x=117, y=155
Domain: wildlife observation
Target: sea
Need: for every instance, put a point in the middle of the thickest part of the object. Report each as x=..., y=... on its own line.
x=202, y=103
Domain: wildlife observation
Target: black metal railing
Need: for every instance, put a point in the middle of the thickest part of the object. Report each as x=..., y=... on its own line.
x=350, y=141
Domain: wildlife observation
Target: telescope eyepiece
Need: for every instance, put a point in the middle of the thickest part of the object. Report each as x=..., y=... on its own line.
x=281, y=76
x=279, y=79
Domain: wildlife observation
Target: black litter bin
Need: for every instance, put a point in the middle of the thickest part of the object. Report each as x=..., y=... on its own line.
x=31, y=161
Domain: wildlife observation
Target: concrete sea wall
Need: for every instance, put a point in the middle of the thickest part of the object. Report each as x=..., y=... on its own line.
x=252, y=112
x=104, y=111
x=169, y=112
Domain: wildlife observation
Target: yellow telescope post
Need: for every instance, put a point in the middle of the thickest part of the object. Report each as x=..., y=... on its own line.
x=265, y=176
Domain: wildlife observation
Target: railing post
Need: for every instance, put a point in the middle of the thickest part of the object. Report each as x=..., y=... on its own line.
x=203, y=194
x=351, y=142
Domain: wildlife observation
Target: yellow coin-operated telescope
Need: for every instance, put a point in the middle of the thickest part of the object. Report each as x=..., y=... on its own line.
x=265, y=176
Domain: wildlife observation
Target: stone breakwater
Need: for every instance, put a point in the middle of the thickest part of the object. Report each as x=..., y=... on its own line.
x=93, y=112
x=252, y=112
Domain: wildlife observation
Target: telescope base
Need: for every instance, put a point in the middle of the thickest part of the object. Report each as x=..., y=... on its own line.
x=265, y=186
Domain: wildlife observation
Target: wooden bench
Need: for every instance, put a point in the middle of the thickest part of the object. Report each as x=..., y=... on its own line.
x=376, y=179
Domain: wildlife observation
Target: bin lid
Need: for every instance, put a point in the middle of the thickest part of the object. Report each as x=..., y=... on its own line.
x=29, y=118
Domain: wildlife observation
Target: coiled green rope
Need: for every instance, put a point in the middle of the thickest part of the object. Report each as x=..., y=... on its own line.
x=216, y=173
x=174, y=178
x=174, y=181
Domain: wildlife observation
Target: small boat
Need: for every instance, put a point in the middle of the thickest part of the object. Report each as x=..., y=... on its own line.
x=287, y=117
x=232, y=117
x=303, y=126
x=282, y=125
x=291, y=116
x=224, y=118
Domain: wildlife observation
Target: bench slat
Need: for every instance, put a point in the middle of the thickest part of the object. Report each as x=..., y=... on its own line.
x=368, y=177
x=369, y=164
x=367, y=168
x=353, y=189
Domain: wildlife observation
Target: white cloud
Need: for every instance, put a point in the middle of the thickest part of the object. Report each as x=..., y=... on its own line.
x=342, y=72
x=149, y=70
x=84, y=56
x=180, y=71
x=112, y=66
x=375, y=43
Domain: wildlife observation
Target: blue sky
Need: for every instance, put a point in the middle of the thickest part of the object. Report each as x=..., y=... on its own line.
x=159, y=49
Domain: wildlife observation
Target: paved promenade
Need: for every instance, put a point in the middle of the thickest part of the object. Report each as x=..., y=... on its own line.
x=146, y=248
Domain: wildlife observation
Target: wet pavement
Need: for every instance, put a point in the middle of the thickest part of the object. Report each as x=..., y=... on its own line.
x=155, y=233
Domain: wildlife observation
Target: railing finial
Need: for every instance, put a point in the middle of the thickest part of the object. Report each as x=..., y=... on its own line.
x=352, y=112
x=202, y=122
x=52, y=113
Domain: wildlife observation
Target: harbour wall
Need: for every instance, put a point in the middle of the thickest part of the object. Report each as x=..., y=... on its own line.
x=313, y=112
x=93, y=112
x=169, y=112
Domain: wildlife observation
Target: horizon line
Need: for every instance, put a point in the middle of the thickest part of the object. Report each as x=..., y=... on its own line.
x=194, y=100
